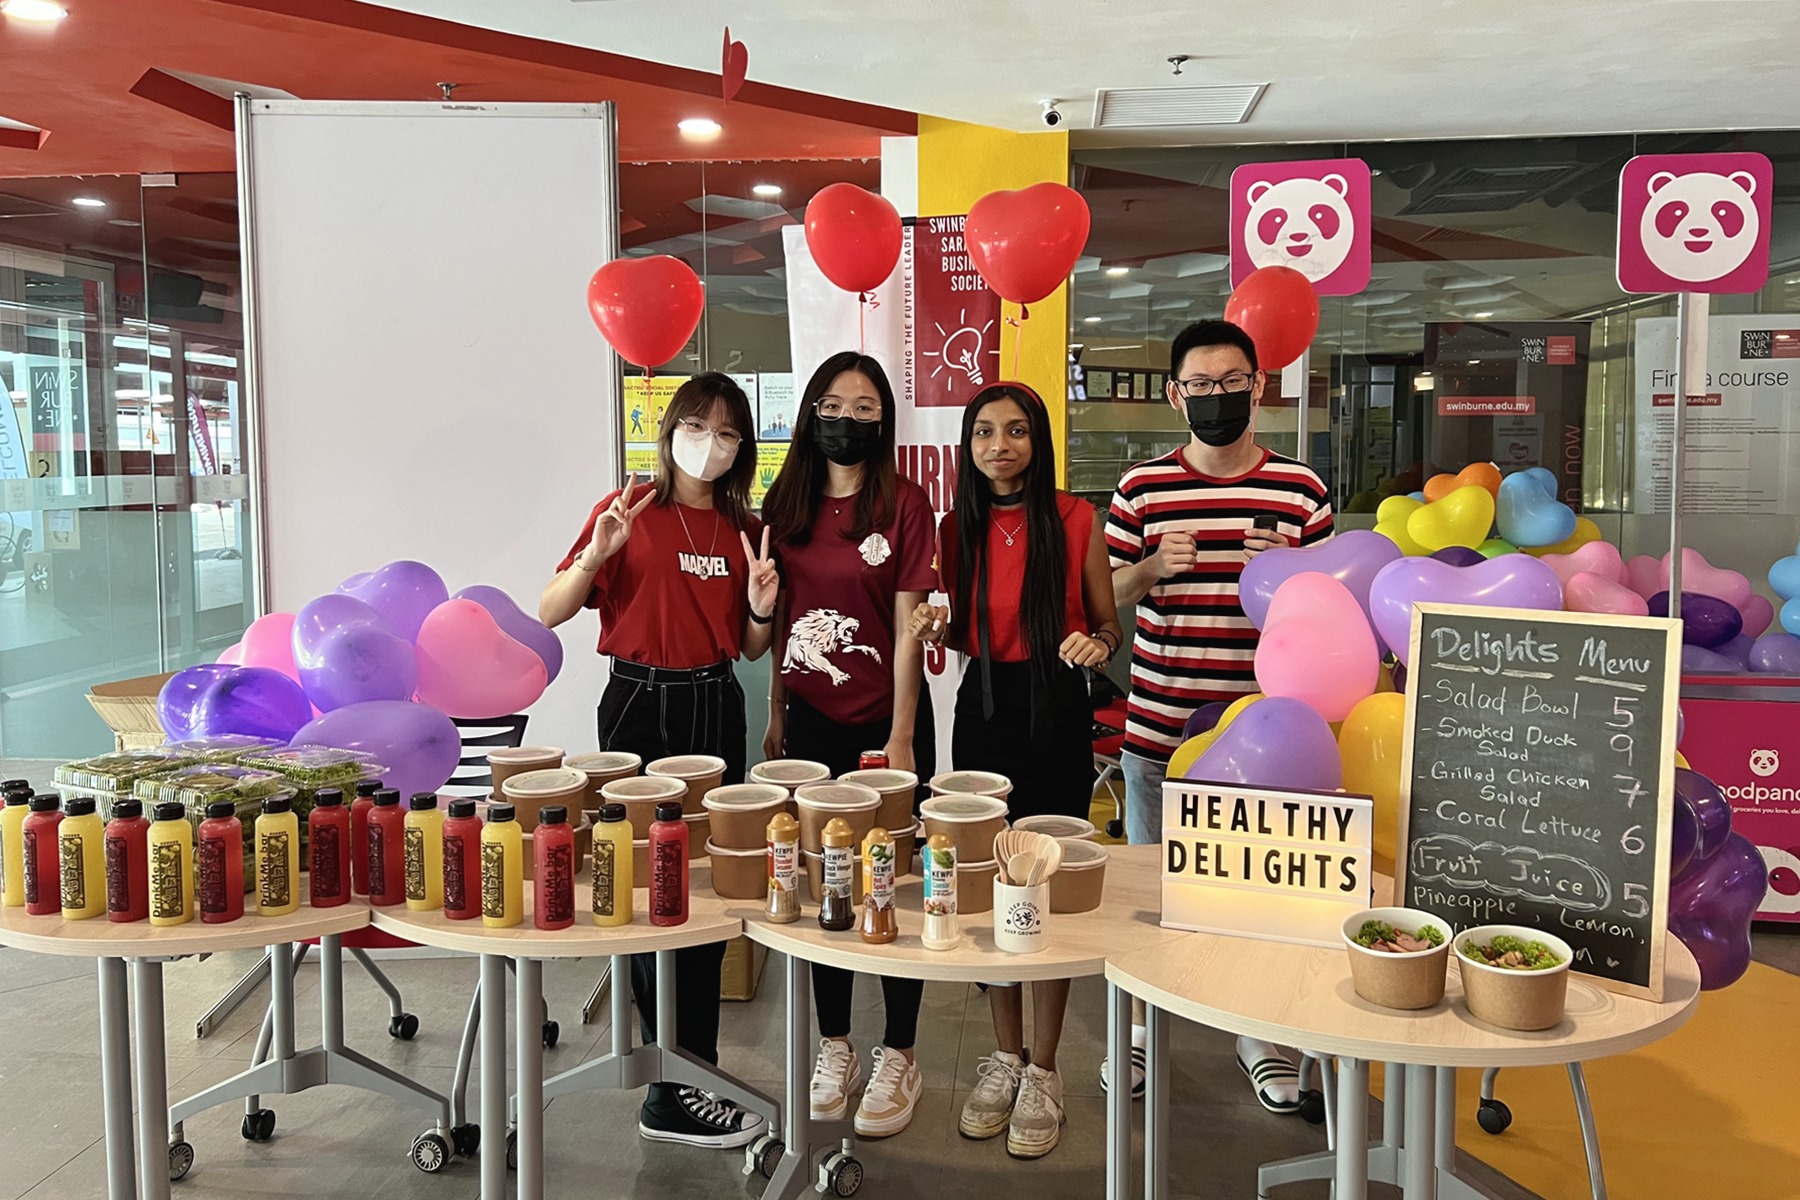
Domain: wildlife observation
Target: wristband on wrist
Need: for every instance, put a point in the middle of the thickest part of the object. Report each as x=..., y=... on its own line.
x=758, y=619
x=1105, y=637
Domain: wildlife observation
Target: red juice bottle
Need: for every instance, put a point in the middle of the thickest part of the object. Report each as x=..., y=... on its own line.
x=328, y=833
x=668, y=867
x=219, y=862
x=42, y=861
x=462, y=862
x=359, y=834
x=553, y=869
x=128, y=862
x=387, y=850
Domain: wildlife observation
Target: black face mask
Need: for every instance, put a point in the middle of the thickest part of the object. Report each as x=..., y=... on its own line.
x=845, y=441
x=1221, y=418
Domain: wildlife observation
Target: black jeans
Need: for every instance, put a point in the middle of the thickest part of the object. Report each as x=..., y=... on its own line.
x=657, y=721
x=813, y=735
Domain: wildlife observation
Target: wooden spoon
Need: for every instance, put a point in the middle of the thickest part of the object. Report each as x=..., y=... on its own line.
x=1047, y=863
x=1019, y=867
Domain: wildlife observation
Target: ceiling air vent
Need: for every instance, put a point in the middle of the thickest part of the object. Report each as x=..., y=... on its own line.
x=1145, y=108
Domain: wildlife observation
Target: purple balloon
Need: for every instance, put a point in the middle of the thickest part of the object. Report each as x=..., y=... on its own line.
x=1399, y=672
x=358, y=663
x=1278, y=742
x=1738, y=648
x=1460, y=556
x=255, y=701
x=1705, y=620
x=403, y=592
x=1712, y=812
x=1203, y=719
x=1684, y=835
x=323, y=616
x=1698, y=660
x=1775, y=654
x=1711, y=907
x=1504, y=581
x=1352, y=558
x=417, y=744
x=179, y=699
x=519, y=625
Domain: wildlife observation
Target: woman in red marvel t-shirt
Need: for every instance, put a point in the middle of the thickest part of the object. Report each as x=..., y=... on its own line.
x=682, y=590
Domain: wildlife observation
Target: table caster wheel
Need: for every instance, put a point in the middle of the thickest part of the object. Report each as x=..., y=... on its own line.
x=512, y=1149
x=258, y=1126
x=551, y=1031
x=430, y=1153
x=1312, y=1106
x=1493, y=1116
x=181, y=1160
x=841, y=1175
x=1115, y=829
x=403, y=1027
x=763, y=1155
x=466, y=1139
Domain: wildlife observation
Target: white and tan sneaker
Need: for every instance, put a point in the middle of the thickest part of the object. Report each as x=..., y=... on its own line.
x=1037, y=1118
x=835, y=1075
x=893, y=1091
x=989, y=1107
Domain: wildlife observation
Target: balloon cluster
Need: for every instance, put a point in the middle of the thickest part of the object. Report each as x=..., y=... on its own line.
x=1718, y=881
x=1724, y=624
x=379, y=665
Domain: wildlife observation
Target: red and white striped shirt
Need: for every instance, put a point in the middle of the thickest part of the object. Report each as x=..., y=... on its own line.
x=1193, y=643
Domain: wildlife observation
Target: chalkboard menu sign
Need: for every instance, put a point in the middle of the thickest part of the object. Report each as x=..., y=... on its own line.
x=1538, y=779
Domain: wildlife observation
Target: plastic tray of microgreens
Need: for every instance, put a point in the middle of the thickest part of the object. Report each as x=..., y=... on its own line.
x=117, y=773
x=310, y=768
x=225, y=748
x=198, y=786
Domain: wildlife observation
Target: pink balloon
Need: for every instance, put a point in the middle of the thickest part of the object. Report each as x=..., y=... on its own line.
x=1698, y=575
x=269, y=642
x=234, y=654
x=469, y=667
x=1504, y=581
x=1590, y=592
x=1758, y=615
x=1646, y=576
x=1595, y=558
x=1317, y=646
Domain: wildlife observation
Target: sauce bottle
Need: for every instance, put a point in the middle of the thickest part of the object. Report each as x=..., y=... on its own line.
x=668, y=867
x=837, y=863
x=784, y=869
x=127, y=862
x=328, y=833
x=387, y=850
x=941, y=925
x=277, y=858
x=42, y=872
x=82, y=858
x=219, y=853
x=12, y=846
x=880, y=923
x=613, y=870
x=553, y=869
x=359, y=834
x=424, y=834
x=462, y=862
x=502, y=869
x=171, y=850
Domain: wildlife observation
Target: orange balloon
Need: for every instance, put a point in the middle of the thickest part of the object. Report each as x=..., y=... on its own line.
x=1481, y=475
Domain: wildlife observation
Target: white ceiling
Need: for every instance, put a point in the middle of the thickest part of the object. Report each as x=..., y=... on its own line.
x=1337, y=69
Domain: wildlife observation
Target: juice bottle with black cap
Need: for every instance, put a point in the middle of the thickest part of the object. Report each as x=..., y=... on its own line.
x=502, y=869
x=387, y=850
x=12, y=844
x=277, y=858
x=328, y=835
x=424, y=835
x=668, y=866
x=127, y=862
x=462, y=862
x=171, y=848
x=219, y=853
x=553, y=869
x=359, y=834
x=81, y=852
x=43, y=869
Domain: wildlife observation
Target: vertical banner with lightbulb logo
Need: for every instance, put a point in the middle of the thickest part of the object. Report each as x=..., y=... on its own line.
x=935, y=327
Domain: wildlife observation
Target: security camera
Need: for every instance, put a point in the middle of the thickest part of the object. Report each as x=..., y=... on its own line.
x=1052, y=115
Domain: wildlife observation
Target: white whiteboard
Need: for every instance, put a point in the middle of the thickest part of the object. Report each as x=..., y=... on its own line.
x=430, y=385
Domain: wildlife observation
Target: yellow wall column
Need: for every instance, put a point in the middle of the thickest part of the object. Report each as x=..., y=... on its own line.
x=958, y=165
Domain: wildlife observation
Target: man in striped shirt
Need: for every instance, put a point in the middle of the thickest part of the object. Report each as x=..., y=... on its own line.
x=1179, y=532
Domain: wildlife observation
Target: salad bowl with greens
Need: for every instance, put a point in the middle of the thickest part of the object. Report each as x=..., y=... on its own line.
x=1398, y=956
x=1514, y=976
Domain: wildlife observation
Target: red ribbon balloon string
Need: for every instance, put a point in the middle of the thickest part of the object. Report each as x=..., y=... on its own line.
x=1018, y=324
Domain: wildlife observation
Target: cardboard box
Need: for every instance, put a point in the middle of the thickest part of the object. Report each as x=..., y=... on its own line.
x=743, y=968
x=128, y=706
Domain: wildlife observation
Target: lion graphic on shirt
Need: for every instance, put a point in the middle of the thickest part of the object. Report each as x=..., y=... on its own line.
x=818, y=634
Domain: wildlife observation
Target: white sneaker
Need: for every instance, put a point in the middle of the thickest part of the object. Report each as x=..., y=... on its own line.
x=887, y=1103
x=989, y=1107
x=1037, y=1118
x=835, y=1075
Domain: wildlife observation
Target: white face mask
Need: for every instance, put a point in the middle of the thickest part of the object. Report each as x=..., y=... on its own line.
x=701, y=455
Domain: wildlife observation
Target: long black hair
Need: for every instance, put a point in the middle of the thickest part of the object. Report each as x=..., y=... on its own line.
x=794, y=497
x=1046, y=548
x=695, y=398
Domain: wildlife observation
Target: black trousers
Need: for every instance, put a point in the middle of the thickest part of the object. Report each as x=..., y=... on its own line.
x=657, y=721
x=813, y=735
x=1050, y=761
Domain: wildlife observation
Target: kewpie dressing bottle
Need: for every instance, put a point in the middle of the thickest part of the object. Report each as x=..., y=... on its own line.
x=424, y=835
x=277, y=858
x=553, y=869
x=462, y=862
x=219, y=855
x=837, y=864
x=783, y=837
x=941, y=922
x=171, y=841
x=82, y=855
x=127, y=862
x=880, y=923
x=502, y=869
x=613, y=898
x=328, y=832
x=43, y=868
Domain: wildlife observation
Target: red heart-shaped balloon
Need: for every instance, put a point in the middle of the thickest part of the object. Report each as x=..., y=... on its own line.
x=854, y=236
x=1279, y=309
x=647, y=308
x=734, y=64
x=1025, y=243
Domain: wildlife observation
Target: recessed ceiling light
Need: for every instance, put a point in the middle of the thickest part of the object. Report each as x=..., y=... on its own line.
x=33, y=10
x=699, y=127
x=769, y=190
x=1483, y=316
x=1115, y=272
x=124, y=224
x=1091, y=320
x=88, y=202
x=1474, y=362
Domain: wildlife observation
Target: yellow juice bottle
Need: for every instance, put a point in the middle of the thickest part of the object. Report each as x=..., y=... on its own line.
x=12, y=848
x=424, y=837
x=82, y=848
x=171, y=866
x=502, y=869
x=612, y=867
x=277, y=858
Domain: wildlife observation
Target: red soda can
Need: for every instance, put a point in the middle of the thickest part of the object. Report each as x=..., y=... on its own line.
x=873, y=760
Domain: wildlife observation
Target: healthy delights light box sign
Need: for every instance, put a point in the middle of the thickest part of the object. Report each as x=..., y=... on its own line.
x=1270, y=863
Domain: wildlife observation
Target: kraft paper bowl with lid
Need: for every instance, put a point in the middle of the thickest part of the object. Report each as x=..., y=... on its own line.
x=1057, y=826
x=1081, y=880
x=815, y=876
x=604, y=766
x=1403, y=981
x=701, y=772
x=741, y=813
x=969, y=821
x=971, y=783
x=905, y=847
x=1521, y=1000
x=896, y=788
x=699, y=827
x=819, y=802
x=640, y=794
x=529, y=791
x=506, y=761
x=739, y=874
x=975, y=884
x=789, y=773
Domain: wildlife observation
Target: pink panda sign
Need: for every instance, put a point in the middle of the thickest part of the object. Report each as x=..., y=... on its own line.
x=1313, y=216
x=1695, y=223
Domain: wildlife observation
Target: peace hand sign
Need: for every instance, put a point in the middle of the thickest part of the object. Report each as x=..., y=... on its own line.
x=765, y=581
x=614, y=525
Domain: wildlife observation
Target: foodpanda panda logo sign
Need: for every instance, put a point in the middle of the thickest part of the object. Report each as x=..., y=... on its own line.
x=1312, y=216
x=1695, y=223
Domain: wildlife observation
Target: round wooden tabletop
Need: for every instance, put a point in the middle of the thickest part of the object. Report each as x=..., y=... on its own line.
x=707, y=922
x=1077, y=944
x=99, y=938
x=1302, y=996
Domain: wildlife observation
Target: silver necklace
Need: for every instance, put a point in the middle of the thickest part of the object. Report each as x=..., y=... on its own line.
x=1017, y=530
x=690, y=537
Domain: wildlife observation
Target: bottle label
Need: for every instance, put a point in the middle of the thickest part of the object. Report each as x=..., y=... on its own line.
x=837, y=866
x=327, y=846
x=665, y=874
x=605, y=876
x=940, y=884
x=118, y=876
x=558, y=884
x=274, y=888
x=415, y=862
x=212, y=874
x=784, y=865
x=377, y=861
x=74, y=880
x=456, y=885
x=881, y=876
x=168, y=890
x=493, y=880
x=29, y=843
